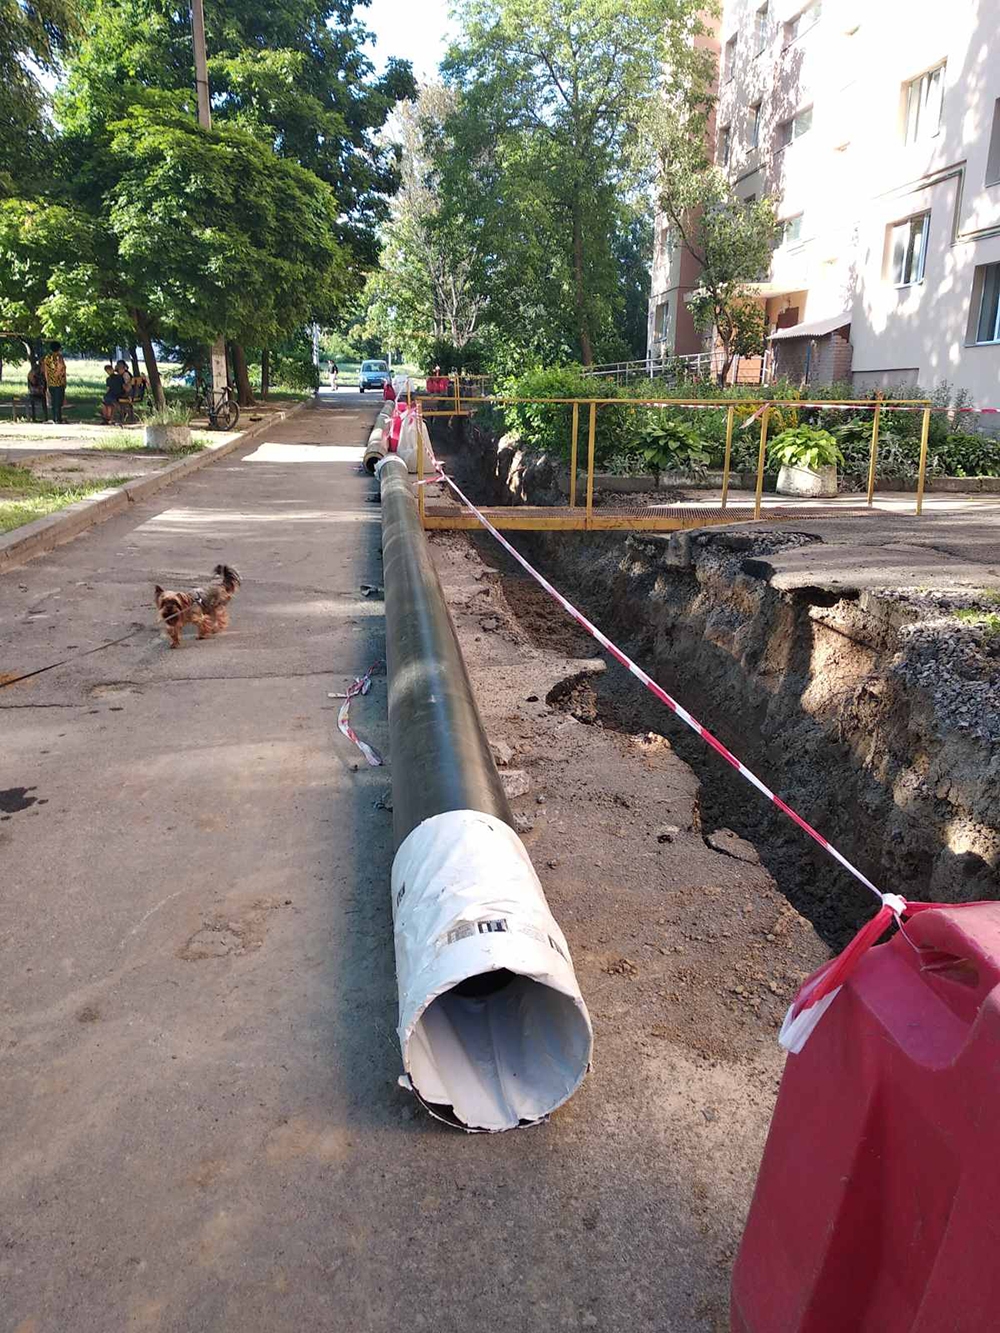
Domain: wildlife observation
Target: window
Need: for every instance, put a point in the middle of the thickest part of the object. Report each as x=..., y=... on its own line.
x=993, y=160
x=788, y=231
x=923, y=106
x=802, y=21
x=729, y=64
x=760, y=28
x=793, y=129
x=755, y=124
x=987, y=284
x=725, y=144
x=661, y=321
x=908, y=250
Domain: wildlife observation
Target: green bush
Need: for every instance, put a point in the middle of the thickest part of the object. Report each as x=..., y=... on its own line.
x=805, y=446
x=672, y=445
x=547, y=427
x=961, y=455
x=292, y=372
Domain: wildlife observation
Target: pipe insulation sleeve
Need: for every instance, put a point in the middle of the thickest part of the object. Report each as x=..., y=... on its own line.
x=493, y=1029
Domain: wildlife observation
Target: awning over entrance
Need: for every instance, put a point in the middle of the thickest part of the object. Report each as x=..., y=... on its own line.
x=814, y=329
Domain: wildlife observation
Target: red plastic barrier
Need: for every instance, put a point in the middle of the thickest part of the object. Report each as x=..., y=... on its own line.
x=439, y=384
x=388, y=392
x=876, y=1201
x=395, y=426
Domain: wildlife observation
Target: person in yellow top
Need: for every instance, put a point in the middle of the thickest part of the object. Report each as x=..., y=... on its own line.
x=55, y=378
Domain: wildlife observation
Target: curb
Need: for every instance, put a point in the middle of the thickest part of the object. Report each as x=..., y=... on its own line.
x=44, y=534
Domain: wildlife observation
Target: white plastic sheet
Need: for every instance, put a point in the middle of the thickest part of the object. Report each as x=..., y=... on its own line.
x=409, y=434
x=493, y=1028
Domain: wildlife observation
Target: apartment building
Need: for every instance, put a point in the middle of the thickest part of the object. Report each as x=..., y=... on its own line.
x=875, y=127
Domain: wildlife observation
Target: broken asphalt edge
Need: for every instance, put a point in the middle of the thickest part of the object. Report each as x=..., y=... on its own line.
x=44, y=534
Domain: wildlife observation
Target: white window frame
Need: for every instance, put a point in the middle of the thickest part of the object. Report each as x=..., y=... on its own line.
x=753, y=138
x=729, y=58
x=790, y=125
x=795, y=27
x=919, y=98
x=661, y=319
x=988, y=342
x=761, y=24
x=993, y=155
x=783, y=231
x=907, y=253
x=725, y=145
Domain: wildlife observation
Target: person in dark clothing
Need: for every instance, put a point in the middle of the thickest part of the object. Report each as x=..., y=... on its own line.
x=114, y=391
x=36, y=393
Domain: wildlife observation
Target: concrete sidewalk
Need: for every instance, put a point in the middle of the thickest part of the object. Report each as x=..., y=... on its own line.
x=195, y=950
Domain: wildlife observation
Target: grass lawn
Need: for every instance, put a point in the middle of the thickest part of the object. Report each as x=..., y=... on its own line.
x=25, y=497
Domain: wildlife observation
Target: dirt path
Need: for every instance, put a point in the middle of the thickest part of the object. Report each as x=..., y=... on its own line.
x=200, y=1126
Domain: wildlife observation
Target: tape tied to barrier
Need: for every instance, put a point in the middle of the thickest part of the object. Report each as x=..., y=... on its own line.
x=819, y=990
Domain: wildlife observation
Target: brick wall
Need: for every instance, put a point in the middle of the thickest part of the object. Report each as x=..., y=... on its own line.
x=830, y=360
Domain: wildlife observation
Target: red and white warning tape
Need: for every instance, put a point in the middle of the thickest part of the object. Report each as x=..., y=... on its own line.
x=819, y=990
x=360, y=685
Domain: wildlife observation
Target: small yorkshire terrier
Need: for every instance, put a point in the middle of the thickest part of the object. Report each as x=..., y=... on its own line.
x=204, y=607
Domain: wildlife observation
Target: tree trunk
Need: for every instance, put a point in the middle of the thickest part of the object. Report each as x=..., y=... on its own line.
x=583, y=327
x=244, y=393
x=141, y=323
x=265, y=373
x=133, y=353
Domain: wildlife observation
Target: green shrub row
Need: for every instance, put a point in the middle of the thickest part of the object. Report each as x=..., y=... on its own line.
x=630, y=438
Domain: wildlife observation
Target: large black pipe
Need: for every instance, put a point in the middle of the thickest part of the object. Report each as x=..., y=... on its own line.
x=441, y=759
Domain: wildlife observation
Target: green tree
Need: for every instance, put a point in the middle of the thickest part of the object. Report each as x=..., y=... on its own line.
x=173, y=233
x=428, y=287
x=291, y=73
x=33, y=36
x=732, y=241
x=557, y=98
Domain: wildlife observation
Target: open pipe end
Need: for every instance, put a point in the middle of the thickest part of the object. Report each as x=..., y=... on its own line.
x=491, y=1056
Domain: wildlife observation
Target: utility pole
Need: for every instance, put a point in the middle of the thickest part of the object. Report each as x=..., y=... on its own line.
x=220, y=375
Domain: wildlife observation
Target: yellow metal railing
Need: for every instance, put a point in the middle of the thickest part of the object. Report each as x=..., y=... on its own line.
x=761, y=407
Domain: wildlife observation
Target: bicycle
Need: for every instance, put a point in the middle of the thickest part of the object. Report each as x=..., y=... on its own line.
x=221, y=408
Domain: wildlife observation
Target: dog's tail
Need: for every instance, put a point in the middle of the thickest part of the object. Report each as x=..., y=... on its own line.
x=230, y=577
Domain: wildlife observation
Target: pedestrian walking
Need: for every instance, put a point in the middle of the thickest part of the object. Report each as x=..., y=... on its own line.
x=55, y=378
x=334, y=376
x=36, y=393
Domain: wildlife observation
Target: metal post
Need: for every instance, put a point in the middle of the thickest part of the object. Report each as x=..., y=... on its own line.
x=420, y=466
x=591, y=441
x=730, y=414
x=201, y=64
x=760, y=461
x=873, y=456
x=922, y=473
x=458, y=394
x=572, y=455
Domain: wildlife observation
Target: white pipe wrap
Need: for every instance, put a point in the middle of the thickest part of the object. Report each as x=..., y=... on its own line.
x=467, y=902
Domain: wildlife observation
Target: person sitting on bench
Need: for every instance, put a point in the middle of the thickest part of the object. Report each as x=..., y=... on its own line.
x=36, y=392
x=114, y=391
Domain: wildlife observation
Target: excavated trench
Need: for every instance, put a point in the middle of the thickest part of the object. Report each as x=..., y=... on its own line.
x=823, y=693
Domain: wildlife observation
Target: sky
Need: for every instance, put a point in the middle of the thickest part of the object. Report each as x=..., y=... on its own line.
x=411, y=29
